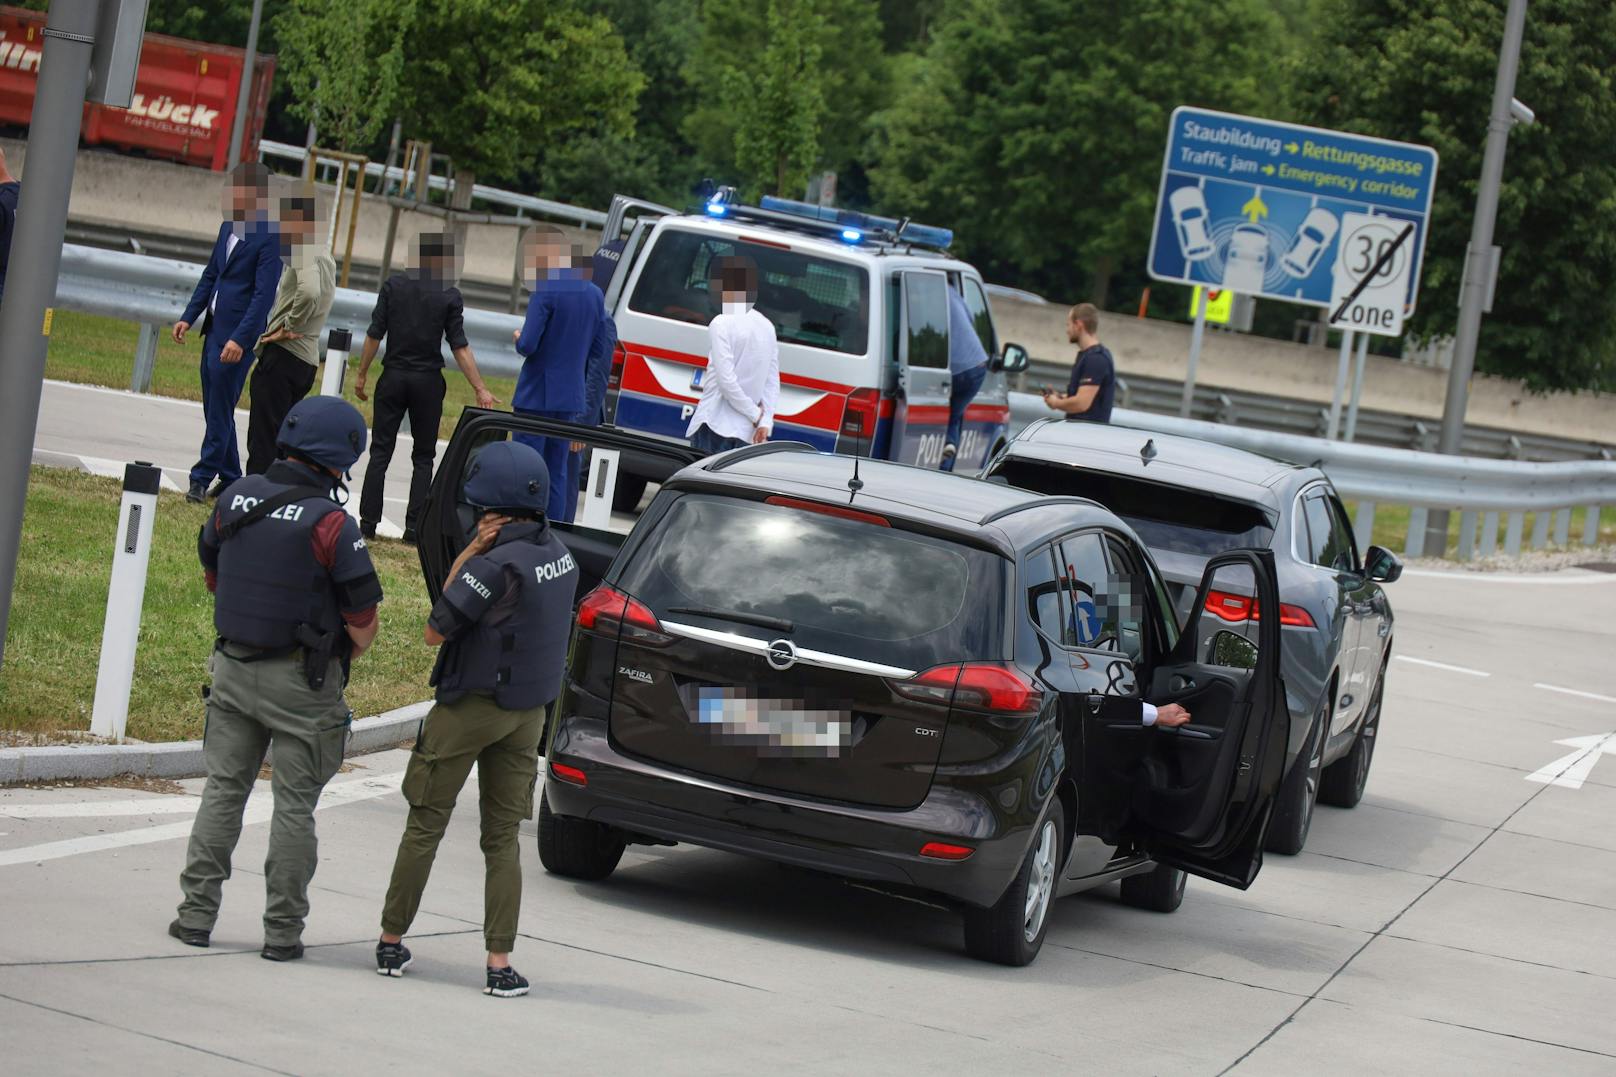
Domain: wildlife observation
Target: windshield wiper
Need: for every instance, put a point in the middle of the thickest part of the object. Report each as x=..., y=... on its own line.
x=738, y=616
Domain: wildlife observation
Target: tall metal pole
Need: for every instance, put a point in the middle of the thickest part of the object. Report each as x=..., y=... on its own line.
x=36, y=257
x=1196, y=336
x=238, y=130
x=1342, y=364
x=1362, y=360
x=1478, y=258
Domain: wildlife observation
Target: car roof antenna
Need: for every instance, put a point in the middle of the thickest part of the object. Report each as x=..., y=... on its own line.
x=855, y=484
x=1148, y=453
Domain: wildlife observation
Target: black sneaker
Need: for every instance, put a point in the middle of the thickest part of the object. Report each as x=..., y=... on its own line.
x=271, y=952
x=505, y=983
x=190, y=936
x=392, y=958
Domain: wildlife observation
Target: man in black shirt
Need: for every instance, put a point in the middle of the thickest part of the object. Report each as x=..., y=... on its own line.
x=416, y=312
x=1093, y=384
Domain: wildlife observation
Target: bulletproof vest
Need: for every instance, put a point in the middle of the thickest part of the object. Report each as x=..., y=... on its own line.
x=269, y=582
x=518, y=650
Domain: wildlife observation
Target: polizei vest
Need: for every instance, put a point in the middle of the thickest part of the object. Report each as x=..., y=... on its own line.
x=517, y=651
x=269, y=581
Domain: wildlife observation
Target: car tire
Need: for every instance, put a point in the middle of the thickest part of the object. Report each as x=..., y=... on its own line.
x=1011, y=932
x=1343, y=783
x=576, y=848
x=1299, y=793
x=1160, y=890
x=630, y=488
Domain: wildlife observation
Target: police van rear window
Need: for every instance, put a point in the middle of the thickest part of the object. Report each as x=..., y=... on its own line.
x=811, y=300
x=847, y=586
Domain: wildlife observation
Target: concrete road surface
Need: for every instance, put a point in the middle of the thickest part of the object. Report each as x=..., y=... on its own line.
x=1461, y=920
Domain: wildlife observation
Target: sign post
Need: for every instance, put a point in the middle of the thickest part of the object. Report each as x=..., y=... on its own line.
x=1196, y=336
x=1282, y=211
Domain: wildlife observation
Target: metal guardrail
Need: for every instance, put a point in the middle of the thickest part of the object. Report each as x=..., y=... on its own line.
x=522, y=203
x=153, y=292
x=1484, y=492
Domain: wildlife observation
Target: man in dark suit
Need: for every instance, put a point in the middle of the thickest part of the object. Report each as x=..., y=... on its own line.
x=235, y=294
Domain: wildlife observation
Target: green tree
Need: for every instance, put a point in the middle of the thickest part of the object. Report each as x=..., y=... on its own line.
x=342, y=60
x=1035, y=127
x=1422, y=71
x=494, y=83
x=777, y=133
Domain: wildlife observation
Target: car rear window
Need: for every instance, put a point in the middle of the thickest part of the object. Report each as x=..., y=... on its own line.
x=1166, y=517
x=849, y=587
x=811, y=300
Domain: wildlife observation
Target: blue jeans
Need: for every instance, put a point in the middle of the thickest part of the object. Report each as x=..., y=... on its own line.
x=561, y=462
x=221, y=392
x=961, y=392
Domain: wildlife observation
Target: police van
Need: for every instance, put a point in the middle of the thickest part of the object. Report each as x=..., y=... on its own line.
x=860, y=308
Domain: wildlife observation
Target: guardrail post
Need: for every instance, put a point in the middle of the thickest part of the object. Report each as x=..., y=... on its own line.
x=145, y=359
x=1590, y=526
x=1467, y=534
x=1562, y=527
x=1321, y=425
x=1489, y=533
x=1540, y=529
x=1420, y=436
x=1363, y=526
x=1124, y=393
x=1513, y=450
x=1414, y=543
x=1512, y=534
x=1226, y=411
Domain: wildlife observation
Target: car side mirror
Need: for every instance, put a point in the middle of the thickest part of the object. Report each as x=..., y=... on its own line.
x=1232, y=651
x=1382, y=565
x=1014, y=359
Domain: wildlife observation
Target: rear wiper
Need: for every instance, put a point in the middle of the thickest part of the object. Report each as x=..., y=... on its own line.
x=738, y=616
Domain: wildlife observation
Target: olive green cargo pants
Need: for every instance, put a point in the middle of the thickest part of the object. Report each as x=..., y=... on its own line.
x=504, y=746
x=252, y=705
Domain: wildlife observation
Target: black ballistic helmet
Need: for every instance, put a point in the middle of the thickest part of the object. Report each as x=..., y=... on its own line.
x=509, y=477
x=325, y=430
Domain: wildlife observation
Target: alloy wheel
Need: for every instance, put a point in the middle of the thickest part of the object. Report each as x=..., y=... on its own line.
x=1040, y=882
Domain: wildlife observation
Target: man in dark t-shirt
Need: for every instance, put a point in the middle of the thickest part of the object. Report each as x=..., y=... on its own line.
x=1093, y=384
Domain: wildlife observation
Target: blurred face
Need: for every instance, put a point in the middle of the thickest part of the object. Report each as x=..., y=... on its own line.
x=547, y=255
x=242, y=202
x=296, y=230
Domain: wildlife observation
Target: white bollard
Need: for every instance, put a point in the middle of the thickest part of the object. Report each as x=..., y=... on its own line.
x=125, y=596
x=338, y=343
x=596, y=511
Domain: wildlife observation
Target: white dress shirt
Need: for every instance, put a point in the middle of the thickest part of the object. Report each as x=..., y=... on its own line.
x=742, y=382
x=230, y=242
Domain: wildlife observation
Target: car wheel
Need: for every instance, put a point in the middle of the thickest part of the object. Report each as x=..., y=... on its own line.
x=1011, y=932
x=576, y=848
x=629, y=490
x=1159, y=890
x=1344, y=780
x=1293, y=808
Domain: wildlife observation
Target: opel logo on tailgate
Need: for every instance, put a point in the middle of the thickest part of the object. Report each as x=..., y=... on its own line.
x=782, y=654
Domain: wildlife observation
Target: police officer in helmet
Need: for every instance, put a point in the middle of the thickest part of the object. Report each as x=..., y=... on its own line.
x=295, y=598
x=503, y=624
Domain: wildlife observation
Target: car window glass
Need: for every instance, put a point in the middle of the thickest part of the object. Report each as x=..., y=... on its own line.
x=1126, y=595
x=1091, y=617
x=926, y=319
x=977, y=303
x=809, y=299
x=1045, y=603
x=1344, y=546
x=1317, y=535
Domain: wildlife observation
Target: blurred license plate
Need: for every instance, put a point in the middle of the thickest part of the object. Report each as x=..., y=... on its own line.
x=695, y=378
x=775, y=727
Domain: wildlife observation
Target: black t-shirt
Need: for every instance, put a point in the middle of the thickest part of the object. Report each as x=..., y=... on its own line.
x=415, y=315
x=1094, y=366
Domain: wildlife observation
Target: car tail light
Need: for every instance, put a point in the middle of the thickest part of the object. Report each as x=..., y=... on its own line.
x=941, y=850
x=858, y=421
x=570, y=775
x=982, y=686
x=1239, y=608
x=841, y=511
x=614, y=380
x=635, y=619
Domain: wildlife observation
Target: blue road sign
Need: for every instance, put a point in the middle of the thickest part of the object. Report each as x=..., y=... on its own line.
x=1086, y=623
x=1255, y=206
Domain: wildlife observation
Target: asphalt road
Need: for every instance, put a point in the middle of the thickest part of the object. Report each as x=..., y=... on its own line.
x=1461, y=920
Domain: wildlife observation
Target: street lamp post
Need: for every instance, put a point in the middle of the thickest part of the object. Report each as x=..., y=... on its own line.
x=238, y=130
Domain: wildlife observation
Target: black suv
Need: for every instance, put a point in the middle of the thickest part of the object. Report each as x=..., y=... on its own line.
x=917, y=680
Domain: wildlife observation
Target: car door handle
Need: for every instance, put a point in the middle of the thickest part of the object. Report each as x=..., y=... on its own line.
x=1181, y=683
x=1384, y=630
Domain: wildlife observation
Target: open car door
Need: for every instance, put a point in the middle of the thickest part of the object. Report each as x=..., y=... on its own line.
x=1199, y=796
x=596, y=534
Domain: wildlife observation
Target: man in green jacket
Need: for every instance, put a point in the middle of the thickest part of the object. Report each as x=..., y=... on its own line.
x=289, y=350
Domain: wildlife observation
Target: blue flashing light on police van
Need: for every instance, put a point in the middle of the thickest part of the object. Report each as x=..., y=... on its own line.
x=928, y=235
x=856, y=225
x=852, y=235
x=716, y=209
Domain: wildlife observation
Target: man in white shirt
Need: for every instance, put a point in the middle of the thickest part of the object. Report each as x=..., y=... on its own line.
x=742, y=380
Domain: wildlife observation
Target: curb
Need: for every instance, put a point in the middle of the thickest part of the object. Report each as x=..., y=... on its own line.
x=181, y=759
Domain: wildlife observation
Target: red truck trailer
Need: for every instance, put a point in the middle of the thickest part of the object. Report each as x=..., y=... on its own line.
x=184, y=102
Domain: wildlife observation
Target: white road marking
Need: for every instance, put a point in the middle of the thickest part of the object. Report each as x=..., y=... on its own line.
x=103, y=809
x=1575, y=692
x=1442, y=665
x=259, y=810
x=1572, y=769
x=113, y=469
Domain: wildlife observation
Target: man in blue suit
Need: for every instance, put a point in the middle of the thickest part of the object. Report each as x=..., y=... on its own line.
x=566, y=344
x=235, y=294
